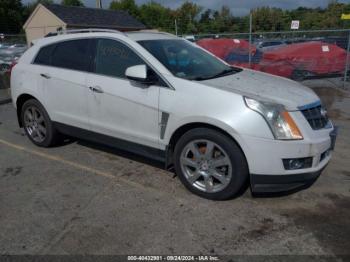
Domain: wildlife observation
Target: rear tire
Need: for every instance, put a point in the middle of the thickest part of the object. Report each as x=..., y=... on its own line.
x=210, y=164
x=38, y=125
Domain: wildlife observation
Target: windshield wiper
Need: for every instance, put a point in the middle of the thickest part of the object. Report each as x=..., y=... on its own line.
x=227, y=72
x=230, y=71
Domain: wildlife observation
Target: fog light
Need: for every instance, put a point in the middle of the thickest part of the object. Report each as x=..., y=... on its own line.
x=297, y=163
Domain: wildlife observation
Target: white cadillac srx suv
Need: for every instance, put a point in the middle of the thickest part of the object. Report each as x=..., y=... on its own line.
x=166, y=98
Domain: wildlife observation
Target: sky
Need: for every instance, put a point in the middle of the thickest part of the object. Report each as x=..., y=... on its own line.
x=238, y=7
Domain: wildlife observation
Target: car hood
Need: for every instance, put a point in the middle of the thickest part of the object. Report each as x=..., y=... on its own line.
x=265, y=87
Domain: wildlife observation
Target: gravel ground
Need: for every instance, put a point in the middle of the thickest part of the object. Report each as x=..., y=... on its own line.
x=81, y=198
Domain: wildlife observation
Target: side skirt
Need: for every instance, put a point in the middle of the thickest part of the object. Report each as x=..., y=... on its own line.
x=145, y=151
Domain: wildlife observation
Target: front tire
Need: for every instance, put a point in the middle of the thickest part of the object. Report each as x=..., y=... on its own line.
x=210, y=164
x=37, y=124
x=300, y=75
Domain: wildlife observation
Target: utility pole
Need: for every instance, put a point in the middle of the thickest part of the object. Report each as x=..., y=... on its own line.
x=175, y=27
x=347, y=62
x=99, y=3
x=250, y=38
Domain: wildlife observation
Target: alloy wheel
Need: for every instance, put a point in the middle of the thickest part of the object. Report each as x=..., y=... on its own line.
x=34, y=123
x=206, y=166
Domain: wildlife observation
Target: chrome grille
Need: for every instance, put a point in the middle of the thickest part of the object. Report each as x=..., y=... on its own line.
x=316, y=116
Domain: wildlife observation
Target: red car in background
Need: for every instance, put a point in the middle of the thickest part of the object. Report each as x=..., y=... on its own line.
x=304, y=60
x=298, y=61
x=233, y=51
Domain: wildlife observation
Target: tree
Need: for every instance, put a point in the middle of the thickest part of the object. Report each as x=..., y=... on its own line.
x=126, y=5
x=11, y=16
x=191, y=19
x=187, y=15
x=72, y=3
x=205, y=23
x=332, y=14
x=223, y=20
x=163, y=20
x=267, y=19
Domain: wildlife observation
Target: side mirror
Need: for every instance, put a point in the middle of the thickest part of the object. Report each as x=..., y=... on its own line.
x=137, y=73
x=141, y=74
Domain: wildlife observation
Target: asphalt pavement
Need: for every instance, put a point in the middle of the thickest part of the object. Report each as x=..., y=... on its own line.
x=5, y=96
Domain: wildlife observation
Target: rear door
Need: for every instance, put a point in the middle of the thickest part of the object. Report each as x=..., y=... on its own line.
x=63, y=81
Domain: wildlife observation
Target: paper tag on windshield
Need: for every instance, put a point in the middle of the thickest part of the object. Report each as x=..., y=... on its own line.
x=236, y=41
x=325, y=48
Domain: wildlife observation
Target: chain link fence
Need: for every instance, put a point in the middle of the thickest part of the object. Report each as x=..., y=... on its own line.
x=320, y=55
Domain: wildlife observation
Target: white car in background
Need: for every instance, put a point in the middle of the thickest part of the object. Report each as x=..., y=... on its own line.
x=163, y=97
x=190, y=38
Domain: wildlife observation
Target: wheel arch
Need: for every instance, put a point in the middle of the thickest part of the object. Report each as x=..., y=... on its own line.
x=19, y=104
x=180, y=131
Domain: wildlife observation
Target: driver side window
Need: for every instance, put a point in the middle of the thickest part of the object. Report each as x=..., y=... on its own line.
x=113, y=58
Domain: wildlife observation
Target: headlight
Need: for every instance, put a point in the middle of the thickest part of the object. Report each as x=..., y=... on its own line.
x=280, y=122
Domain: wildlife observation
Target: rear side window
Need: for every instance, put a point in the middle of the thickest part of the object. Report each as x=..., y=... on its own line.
x=44, y=55
x=72, y=55
x=113, y=58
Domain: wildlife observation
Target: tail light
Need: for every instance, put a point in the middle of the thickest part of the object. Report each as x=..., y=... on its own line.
x=9, y=71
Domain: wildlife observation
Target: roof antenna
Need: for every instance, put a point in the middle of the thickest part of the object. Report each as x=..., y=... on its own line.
x=99, y=3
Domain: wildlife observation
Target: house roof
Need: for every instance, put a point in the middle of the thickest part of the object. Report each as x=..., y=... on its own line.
x=95, y=17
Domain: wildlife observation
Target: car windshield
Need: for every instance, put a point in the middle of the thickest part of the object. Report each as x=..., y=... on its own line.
x=186, y=60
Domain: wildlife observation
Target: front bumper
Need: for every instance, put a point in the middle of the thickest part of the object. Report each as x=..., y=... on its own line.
x=282, y=183
x=268, y=175
x=265, y=156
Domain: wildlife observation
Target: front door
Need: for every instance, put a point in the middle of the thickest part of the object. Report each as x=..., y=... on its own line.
x=117, y=106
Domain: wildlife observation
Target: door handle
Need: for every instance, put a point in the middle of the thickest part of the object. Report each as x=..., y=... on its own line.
x=45, y=76
x=96, y=89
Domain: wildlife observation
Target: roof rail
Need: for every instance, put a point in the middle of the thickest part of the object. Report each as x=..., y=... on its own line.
x=88, y=30
x=155, y=31
x=166, y=33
